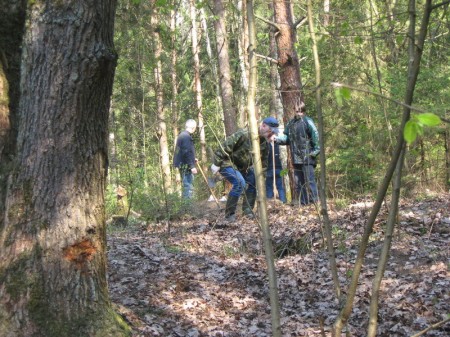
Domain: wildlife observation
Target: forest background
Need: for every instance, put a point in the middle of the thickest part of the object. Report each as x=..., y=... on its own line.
x=189, y=60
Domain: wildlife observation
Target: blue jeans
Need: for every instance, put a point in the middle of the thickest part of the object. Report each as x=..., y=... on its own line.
x=239, y=180
x=187, y=179
x=305, y=182
x=278, y=183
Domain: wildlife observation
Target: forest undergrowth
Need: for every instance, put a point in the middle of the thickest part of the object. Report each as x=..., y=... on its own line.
x=200, y=277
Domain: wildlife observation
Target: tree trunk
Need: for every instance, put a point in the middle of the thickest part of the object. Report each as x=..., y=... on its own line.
x=226, y=88
x=197, y=81
x=289, y=70
x=162, y=126
x=12, y=24
x=384, y=254
x=53, y=238
x=243, y=63
x=260, y=180
x=322, y=183
x=415, y=56
x=174, y=77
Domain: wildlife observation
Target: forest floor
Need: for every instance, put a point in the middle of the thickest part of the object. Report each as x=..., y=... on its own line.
x=199, y=277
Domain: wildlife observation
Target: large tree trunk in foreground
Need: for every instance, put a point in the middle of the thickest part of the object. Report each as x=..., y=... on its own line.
x=52, y=238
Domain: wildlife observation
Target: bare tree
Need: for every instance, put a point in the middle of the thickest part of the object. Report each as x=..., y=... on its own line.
x=415, y=55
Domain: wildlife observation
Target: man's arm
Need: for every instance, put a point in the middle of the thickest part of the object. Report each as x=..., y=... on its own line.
x=314, y=134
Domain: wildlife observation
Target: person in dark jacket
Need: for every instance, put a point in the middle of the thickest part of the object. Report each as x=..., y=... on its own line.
x=233, y=160
x=302, y=136
x=274, y=169
x=184, y=158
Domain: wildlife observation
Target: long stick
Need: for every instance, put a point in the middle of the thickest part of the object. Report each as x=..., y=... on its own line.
x=275, y=190
x=206, y=181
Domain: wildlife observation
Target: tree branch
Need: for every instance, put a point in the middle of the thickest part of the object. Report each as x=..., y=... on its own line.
x=267, y=58
x=301, y=21
x=341, y=85
x=271, y=23
x=441, y=4
x=434, y=326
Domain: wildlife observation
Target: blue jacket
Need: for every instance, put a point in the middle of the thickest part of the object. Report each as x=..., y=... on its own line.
x=184, y=157
x=303, y=138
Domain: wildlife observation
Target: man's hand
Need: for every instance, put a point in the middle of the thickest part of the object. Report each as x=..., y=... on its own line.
x=194, y=170
x=272, y=138
x=214, y=169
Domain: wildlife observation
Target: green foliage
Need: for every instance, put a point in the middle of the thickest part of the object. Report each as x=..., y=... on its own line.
x=342, y=93
x=414, y=127
x=360, y=47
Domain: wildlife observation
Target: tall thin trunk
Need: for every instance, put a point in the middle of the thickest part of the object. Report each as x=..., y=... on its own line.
x=174, y=77
x=226, y=88
x=162, y=126
x=384, y=255
x=197, y=81
x=322, y=182
x=243, y=62
x=415, y=56
x=260, y=180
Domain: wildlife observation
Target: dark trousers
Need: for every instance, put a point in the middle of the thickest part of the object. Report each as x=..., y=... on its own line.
x=278, y=184
x=305, y=182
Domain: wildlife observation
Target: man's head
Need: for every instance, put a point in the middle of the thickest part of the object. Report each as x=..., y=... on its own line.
x=191, y=125
x=300, y=109
x=269, y=127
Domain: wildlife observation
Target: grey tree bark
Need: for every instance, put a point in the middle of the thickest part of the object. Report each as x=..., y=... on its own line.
x=52, y=230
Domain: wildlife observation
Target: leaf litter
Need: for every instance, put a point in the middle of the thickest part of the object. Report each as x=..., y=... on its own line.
x=201, y=277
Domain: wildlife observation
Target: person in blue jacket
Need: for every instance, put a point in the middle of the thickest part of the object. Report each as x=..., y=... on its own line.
x=274, y=167
x=302, y=136
x=184, y=158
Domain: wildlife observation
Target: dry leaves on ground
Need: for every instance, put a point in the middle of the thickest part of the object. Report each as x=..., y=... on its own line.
x=207, y=279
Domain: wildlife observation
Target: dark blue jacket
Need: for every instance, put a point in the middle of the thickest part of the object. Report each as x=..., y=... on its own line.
x=277, y=158
x=302, y=136
x=184, y=157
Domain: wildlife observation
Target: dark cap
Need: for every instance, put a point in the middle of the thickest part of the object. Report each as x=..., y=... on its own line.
x=272, y=123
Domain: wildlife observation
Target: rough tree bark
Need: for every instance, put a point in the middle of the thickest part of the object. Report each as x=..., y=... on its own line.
x=288, y=68
x=226, y=88
x=52, y=233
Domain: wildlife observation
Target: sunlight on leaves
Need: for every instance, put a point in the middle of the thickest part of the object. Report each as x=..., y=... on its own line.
x=414, y=127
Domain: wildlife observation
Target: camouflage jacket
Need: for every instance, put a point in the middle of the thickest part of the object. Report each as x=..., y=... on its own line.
x=236, y=151
x=303, y=138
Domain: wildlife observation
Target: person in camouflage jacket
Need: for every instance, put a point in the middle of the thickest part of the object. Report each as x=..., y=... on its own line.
x=302, y=136
x=233, y=160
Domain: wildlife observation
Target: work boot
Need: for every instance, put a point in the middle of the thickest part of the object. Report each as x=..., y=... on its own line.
x=230, y=208
x=248, y=204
